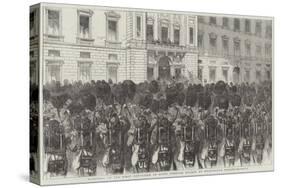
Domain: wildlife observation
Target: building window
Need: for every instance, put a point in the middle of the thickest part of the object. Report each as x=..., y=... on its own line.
x=247, y=76
x=248, y=49
x=200, y=19
x=213, y=42
x=225, y=74
x=268, y=31
x=84, y=73
x=200, y=40
x=176, y=36
x=268, y=50
x=258, y=51
x=53, y=72
x=33, y=72
x=213, y=20
x=258, y=28
x=258, y=75
x=225, y=44
x=149, y=32
x=53, y=27
x=112, y=57
x=200, y=73
x=138, y=26
x=84, y=26
x=150, y=71
x=268, y=75
x=212, y=74
x=54, y=53
x=112, y=30
x=32, y=23
x=86, y=55
x=247, y=26
x=112, y=19
x=236, y=24
x=31, y=54
x=112, y=73
x=225, y=22
x=237, y=49
x=191, y=35
x=164, y=34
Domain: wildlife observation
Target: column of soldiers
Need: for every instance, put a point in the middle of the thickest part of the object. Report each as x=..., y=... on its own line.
x=102, y=128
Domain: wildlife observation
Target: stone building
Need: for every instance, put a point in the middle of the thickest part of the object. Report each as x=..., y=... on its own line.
x=234, y=49
x=101, y=43
x=34, y=45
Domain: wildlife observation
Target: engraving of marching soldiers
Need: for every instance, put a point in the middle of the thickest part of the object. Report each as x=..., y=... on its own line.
x=101, y=128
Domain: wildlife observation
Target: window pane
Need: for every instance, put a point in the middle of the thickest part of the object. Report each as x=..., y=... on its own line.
x=225, y=75
x=247, y=26
x=177, y=36
x=258, y=76
x=200, y=41
x=258, y=28
x=268, y=75
x=248, y=49
x=54, y=53
x=258, y=50
x=200, y=73
x=212, y=75
x=85, y=72
x=269, y=31
x=149, y=32
x=225, y=22
x=85, y=55
x=84, y=26
x=138, y=26
x=236, y=24
x=53, y=22
x=247, y=76
x=164, y=34
x=112, y=73
x=113, y=57
x=213, y=20
x=53, y=73
x=237, y=48
x=32, y=23
x=191, y=35
x=112, y=30
x=225, y=46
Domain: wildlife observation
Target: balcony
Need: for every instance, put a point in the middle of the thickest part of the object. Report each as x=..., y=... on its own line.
x=168, y=45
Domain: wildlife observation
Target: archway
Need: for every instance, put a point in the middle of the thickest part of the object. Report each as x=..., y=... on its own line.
x=164, y=67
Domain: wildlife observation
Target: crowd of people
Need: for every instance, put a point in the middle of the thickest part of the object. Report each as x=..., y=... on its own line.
x=100, y=128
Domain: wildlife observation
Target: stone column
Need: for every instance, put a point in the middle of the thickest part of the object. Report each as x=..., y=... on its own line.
x=155, y=27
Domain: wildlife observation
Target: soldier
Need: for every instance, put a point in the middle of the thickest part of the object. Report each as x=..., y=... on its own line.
x=187, y=141
x=162, y=157
x=229, y=142
x=246, y=140
x=141, y=155
x=212, y=140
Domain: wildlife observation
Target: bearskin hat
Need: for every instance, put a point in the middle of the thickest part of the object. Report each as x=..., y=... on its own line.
x=235, y=100
x=222, y=101
x=154, y=86
x=220, y=87
x=129, y=88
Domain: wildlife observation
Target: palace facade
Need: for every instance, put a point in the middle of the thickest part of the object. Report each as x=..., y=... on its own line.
x=101, y=43
x=96, y=43
x=234, y=49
